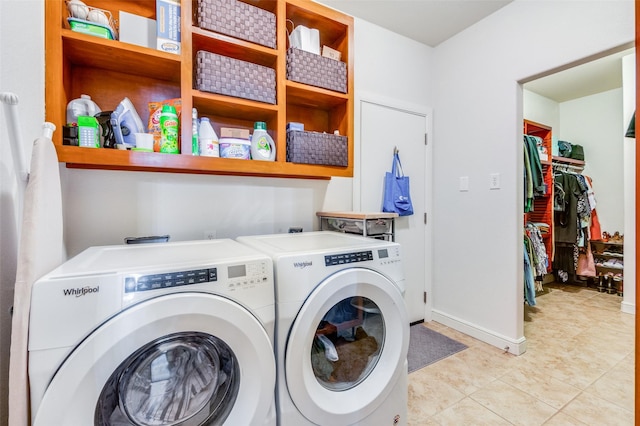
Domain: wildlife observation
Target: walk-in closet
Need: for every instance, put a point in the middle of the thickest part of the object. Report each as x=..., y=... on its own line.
x=577, y=179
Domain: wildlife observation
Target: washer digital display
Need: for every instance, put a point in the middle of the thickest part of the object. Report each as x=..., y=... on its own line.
x=237, y=271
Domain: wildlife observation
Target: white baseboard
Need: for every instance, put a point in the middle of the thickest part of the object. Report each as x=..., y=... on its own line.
x=628, y=308
x=516, y=347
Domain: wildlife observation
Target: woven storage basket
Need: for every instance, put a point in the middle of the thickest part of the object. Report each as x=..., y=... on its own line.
x=238, y=19
x=316, y=148
x=227, y=76
x=315, y=70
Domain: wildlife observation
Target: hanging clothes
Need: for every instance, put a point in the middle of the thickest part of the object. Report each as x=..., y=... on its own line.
x=566, y=211
x=533, y=171
x=538, y=252
x=576, y=222
x=528, y=181
x=529, y=286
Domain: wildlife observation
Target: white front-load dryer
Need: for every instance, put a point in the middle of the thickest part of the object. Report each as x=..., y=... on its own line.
x=155, y=334
x=342, y=329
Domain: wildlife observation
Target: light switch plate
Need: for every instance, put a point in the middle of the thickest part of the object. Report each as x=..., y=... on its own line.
x=494, y=181
x=464, y=183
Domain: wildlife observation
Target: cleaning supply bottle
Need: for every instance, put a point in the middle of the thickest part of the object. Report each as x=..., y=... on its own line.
x=169, y=130
x=262, y=146
x=209, y=143
x=195, y=143
x=88, y=135
x=81, y=106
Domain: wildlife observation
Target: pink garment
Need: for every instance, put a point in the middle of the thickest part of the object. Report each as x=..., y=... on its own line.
x=41, y=250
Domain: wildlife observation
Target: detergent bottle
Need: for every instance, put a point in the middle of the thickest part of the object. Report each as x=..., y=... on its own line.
x=169, y=130
x=195, y=143
x=262, y=146
x=209, y=143
x=81, y=106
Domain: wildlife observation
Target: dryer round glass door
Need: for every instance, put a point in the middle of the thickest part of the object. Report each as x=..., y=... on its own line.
x=191, y=344
x=347, y=347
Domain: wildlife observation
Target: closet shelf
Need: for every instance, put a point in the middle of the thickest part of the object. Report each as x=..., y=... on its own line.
x=565, y=160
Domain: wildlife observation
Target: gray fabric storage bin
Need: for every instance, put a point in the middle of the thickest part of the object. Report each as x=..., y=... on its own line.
x=228, y=76
x=238, y=19
x=315, y=70
x=317, y=148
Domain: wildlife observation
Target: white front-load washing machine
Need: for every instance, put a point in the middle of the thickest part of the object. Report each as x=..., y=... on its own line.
x=342, y=329
x=155, y=334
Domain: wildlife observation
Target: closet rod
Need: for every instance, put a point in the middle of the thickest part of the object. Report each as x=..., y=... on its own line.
x=567, y=167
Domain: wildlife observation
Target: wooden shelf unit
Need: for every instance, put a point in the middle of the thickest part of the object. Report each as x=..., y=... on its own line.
x=109, y=70
x=543, y=205
x=606, y=250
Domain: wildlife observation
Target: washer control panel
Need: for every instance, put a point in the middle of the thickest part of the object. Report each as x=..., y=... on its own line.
x=234, y=275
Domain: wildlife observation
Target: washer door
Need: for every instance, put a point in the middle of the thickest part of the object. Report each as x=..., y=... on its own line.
x=347, y=347
x=181, y=359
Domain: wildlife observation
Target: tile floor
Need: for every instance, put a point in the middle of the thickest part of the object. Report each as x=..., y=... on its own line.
x=578, y=369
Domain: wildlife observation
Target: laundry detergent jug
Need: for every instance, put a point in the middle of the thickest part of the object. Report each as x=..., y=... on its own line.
x=262, y=146
x=81, y=106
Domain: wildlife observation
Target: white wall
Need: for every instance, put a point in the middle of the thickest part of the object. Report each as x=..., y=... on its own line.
x=478, y=283
x=541, y=110
x=595, y=123
x=103, y=207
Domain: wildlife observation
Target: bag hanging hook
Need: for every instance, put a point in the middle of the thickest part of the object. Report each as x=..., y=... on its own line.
x=395, y=150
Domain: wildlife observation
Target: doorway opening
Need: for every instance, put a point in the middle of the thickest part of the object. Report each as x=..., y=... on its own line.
x=586, y=107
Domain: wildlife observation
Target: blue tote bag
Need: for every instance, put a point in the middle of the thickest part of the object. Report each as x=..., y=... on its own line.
x=397, y=198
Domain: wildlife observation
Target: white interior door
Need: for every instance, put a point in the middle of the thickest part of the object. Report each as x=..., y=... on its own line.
x=382, y=128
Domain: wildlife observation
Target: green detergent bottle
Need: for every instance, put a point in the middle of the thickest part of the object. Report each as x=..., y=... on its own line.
x=169, y=130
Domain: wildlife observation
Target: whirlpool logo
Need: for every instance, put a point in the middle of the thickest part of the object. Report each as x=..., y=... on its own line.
x=78, y=292
x=302, y=265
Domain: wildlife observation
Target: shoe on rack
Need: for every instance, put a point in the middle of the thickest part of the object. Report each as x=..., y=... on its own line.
x=611, y=287
x=601, y=283
x=616, y=238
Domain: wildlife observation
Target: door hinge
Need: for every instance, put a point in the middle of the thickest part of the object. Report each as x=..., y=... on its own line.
x=426, y=138
x=425, y=218
x=425, y=297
